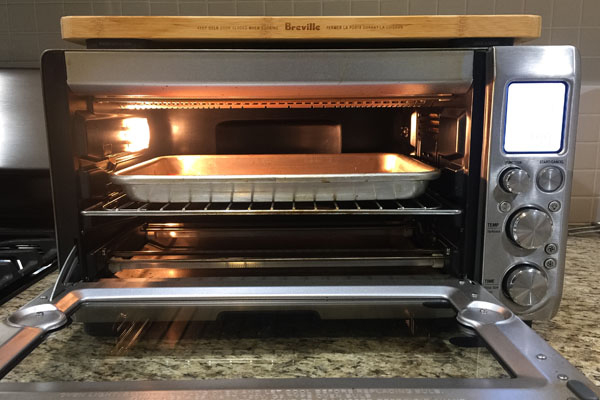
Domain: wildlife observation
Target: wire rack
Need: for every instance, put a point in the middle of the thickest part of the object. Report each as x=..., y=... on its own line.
x=120, y=205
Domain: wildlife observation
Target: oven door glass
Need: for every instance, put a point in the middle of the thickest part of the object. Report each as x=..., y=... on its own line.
x=143, y=347
x=396, y=337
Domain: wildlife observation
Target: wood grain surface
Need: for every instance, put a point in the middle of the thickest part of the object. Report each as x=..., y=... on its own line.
x=420, y=27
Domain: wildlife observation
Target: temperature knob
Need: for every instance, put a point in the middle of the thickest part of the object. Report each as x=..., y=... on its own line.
x=530, y=228
x=526, y=285
x=514, y=180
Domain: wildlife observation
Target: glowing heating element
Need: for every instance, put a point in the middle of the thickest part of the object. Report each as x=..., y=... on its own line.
x=535, y=115
x=135, y=134
x=413, y=129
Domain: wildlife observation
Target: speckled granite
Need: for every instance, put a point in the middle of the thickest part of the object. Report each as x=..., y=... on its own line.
x=62, y=357
x=575, y=330
x=26, y=296
x=71, y=354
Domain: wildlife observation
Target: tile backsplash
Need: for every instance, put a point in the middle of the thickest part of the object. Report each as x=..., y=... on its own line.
x=585, y=198
x=27, y=27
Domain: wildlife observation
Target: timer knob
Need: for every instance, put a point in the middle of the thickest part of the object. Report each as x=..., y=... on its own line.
x=526, y=285
x=530, y=228
x=514, y=180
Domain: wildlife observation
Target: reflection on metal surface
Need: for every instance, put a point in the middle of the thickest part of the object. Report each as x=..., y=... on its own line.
x=480, y=313
x=276, y=177
x=43, y=316
x=281, y=165
x=22, y=130
x=390, y=163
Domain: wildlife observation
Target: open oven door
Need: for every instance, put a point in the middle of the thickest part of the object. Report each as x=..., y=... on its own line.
x=424, y=338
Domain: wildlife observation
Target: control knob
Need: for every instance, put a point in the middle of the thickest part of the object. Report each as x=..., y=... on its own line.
x=550, y=179
x=526, y=285
x=530, y=228
x=514, y=180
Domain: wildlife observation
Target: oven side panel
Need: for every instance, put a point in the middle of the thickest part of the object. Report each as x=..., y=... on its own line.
x=60, y=146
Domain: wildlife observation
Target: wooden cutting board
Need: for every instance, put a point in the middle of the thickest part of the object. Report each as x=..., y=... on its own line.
x=419, y=27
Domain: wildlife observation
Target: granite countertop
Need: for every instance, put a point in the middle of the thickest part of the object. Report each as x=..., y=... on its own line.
x=574, y=332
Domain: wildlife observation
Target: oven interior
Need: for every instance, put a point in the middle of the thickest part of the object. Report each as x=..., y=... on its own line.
x=122, y=238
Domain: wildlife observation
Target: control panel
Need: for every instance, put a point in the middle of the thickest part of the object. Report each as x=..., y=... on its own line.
x=527, y=192
x=524, y=218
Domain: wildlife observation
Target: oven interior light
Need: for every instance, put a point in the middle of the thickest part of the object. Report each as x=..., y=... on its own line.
x=135, y=133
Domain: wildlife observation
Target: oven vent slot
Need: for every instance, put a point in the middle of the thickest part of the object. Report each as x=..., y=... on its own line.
x=120, y=205
x=283, y=103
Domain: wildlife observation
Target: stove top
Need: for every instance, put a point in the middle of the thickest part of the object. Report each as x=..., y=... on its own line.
x=25, y=258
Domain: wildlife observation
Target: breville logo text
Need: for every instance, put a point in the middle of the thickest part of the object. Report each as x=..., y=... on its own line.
x=306, y=27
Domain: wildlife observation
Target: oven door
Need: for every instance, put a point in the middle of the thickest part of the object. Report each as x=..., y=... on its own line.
x=422, y=338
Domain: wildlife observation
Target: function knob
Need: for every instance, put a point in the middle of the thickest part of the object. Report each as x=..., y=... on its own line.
x=526, y=285
x=514, y=180
x=530, y=228
x=549, y=179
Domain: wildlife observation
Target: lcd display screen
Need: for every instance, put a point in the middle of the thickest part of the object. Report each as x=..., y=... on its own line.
x=535, y=114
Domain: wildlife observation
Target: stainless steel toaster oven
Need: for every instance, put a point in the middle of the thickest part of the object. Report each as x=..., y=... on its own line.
x=350, y=184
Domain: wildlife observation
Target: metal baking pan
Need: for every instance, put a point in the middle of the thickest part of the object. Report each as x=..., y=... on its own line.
x=276, y=177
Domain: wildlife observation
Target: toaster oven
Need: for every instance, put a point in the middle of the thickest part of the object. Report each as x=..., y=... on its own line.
x=349, y=184
x=301, y=144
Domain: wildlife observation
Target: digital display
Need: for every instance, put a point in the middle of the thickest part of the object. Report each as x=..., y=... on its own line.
x=535, y=113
